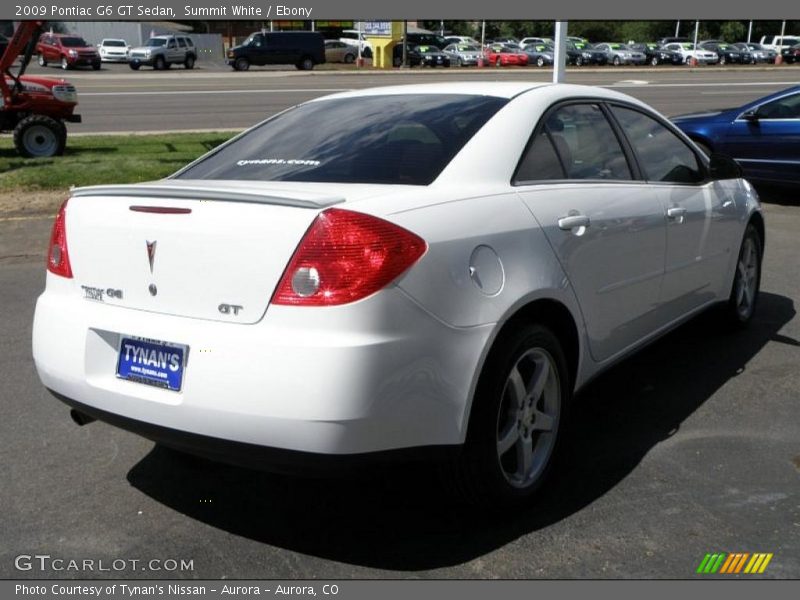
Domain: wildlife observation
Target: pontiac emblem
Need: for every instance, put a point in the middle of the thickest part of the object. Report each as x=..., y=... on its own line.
x=151, y=253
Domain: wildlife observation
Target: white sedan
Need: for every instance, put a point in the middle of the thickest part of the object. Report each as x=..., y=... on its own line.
x=113, y=50
x=370, y=275
x=688, y=51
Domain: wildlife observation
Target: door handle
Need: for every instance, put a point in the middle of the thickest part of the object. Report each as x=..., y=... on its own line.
x=573, y=221
x=676, y=213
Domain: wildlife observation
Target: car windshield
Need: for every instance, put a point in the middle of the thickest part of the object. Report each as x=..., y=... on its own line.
x=156, y=42
x=468, y=48
x=618, y=46
x=73, y=42
x=688, y=46
x=754, y=46
x=399, y=139
x=428, y=49
x=725, y=47
x=115, y=43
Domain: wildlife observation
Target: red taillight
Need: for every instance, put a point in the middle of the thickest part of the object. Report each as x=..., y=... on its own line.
x=346, y=256
x=57, y=254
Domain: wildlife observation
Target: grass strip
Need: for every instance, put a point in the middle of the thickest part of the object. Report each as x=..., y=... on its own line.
x=93, y=160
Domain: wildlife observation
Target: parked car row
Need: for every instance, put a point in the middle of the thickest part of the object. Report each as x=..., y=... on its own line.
x=69, y=51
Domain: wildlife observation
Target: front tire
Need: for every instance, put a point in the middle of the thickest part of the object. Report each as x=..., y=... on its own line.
x=159, y=64
x=518, y=414
x=617, y=62
x=746, y=279
x=42, y=61
x=540, y=62
x=64, y=63
x=134, y=65
x=38, y=136
x=654, y=61
x=579, y=61
x=241, y=64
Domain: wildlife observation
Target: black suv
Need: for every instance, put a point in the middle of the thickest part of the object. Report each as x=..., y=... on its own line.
x=303, y=49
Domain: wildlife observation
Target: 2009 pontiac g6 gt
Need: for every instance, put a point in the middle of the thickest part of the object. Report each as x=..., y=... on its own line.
x=430, y=269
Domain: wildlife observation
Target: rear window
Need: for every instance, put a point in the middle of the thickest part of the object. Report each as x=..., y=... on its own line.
x=402, y=139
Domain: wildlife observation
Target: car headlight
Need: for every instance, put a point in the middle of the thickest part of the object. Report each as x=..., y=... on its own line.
x=65, y=93
x=73, y=53
x=587, y=55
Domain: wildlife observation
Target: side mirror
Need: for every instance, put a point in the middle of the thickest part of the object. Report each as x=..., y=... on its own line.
x=750, y=115
x=723, y=166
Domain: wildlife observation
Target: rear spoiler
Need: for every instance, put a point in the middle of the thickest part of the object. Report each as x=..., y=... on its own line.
x=201, y=193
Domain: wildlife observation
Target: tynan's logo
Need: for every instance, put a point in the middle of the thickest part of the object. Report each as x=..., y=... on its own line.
x=733, y=563
x=151, y=253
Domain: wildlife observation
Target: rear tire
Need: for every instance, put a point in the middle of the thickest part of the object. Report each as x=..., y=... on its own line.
x=39, y=136
x=96, y=66
x=189, y=62
x=134, y=66
x=746, y=279
x=349, y=59
x=517, y=420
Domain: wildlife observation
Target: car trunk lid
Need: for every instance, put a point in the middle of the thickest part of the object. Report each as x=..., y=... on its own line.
x=212, y=251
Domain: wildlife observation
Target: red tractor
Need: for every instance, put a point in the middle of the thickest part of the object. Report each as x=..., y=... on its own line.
x=34, y=108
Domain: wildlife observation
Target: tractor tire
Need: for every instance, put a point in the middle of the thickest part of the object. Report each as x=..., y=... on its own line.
x=39, y=136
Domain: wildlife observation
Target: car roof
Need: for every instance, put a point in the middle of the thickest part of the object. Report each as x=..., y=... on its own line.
x=499, y=89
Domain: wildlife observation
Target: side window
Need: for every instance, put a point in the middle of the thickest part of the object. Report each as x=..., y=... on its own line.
x=182, y=42
x=189, y=42
x=586, y=143
x=787, y=107
x=540, y=161
x=662, y=155
x=171, y=43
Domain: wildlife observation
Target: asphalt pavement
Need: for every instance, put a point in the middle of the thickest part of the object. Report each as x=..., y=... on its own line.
x=116, y=99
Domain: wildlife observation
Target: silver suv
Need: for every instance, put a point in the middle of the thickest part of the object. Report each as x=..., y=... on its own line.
x=161, y=51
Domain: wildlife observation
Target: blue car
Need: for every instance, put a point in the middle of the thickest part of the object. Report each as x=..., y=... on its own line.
x=763, y=136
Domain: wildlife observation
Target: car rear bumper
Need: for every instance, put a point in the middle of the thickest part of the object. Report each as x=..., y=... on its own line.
x=377, y=375
x=265, y=458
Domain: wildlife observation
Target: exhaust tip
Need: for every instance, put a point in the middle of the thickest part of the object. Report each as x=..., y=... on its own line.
x=80, y=418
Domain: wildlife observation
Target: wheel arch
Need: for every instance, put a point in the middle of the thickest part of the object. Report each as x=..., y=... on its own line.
x=547, y=311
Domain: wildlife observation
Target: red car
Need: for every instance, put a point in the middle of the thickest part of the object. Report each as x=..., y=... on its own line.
x=66, y=50
x=504, y=56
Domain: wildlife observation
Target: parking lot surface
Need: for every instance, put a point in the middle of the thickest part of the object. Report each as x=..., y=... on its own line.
x=692, y=446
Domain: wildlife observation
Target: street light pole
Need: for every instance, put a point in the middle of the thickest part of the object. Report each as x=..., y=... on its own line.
x=560, y=58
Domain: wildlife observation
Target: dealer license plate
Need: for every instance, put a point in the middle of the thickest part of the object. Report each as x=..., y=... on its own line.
x=151, y=362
